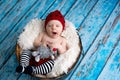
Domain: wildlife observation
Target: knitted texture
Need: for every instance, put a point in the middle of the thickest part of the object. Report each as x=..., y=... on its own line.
x=55, y=15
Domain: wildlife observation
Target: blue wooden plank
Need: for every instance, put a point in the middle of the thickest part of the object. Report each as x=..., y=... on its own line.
x=58, y=4
x=7, y=25
x=8, y=71
x=28, y=77
x=111, y=70
x=80, y=11
x=67, y=6
x=13, y=17
x=6, y=6
x=95, y=22
x=96, y=57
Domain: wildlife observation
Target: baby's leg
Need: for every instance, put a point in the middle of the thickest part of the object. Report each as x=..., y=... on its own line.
x=42, y=69
x=25, y=58
x=24, y=61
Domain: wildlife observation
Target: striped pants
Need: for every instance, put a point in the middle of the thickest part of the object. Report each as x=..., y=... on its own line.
x=41, y=69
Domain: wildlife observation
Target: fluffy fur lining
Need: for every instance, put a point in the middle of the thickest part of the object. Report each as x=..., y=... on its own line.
x=64, y=61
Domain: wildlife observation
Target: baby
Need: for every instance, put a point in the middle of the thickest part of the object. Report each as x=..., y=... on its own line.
x=51, y=39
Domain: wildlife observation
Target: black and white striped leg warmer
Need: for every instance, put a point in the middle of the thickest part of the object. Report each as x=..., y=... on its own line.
x=25, y=58
x=44, y=68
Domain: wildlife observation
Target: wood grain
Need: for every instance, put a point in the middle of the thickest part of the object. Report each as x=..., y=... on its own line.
x=111, y=70
x=98, y=54
x=6, y=6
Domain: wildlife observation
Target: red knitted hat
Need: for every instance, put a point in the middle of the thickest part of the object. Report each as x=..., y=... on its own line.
x=55, y=15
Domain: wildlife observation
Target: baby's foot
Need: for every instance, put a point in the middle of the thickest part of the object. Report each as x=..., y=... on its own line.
x=28, y=70
x=20, y=69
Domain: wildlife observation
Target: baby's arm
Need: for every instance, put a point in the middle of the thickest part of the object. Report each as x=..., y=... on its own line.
x=63, y=47
x=37, y=41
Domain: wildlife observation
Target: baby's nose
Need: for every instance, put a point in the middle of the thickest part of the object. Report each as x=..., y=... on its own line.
x=53, y=26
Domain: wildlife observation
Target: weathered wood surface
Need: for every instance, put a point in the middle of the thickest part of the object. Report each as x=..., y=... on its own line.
x=98, y=24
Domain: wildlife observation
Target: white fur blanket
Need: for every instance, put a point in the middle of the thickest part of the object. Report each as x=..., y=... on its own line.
x=64, y=61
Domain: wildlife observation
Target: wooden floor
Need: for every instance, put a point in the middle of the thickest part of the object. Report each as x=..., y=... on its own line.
x=98, y=23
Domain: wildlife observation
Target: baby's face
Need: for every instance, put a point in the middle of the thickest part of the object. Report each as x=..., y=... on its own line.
x=54, y=28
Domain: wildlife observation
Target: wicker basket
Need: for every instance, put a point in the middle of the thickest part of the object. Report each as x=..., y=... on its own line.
x=18, y=50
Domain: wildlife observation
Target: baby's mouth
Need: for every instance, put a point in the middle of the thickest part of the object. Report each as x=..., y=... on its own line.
x=54, y=33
